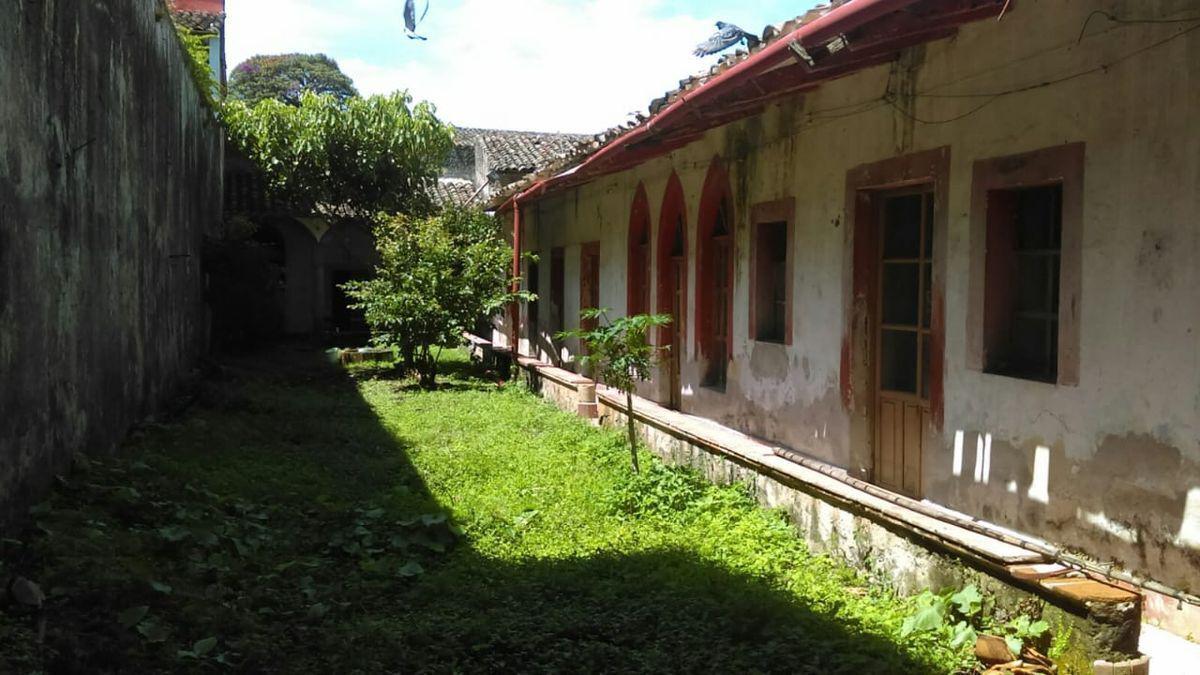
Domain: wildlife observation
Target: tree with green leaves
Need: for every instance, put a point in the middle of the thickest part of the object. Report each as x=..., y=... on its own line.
x=344, y=159
x=285, y=77
x=622, y=355
x=436, y=276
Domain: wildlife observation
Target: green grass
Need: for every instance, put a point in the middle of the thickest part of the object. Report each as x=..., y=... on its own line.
x=314, y=522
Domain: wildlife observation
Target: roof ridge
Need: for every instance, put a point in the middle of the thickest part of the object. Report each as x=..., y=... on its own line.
x=524, y=133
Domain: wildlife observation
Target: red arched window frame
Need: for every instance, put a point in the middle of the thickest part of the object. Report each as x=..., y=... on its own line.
x=714, y=274
x=672, y=259
x=638, y=284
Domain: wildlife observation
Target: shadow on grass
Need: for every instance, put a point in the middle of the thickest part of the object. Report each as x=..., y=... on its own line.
x=352, y=568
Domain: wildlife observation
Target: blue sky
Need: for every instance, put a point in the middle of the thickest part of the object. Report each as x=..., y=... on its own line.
x=541, y=65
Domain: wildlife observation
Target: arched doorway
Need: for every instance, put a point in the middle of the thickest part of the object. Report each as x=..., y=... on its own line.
x=269, y=251
x=714, y=276
x=638, y=259
x=672, y=284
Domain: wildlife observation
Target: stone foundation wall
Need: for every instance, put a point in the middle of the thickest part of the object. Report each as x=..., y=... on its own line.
x=886, y=553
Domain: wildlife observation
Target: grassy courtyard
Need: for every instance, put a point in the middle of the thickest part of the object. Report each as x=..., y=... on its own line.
x=299, y=519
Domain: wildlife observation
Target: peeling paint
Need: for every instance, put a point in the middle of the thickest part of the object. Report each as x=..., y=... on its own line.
x=1121, y=440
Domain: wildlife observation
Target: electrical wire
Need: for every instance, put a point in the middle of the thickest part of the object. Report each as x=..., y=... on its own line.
x=1066, y=78
x=895, y=106
x=890, y=99
x=993, y=96
x=1119, y=20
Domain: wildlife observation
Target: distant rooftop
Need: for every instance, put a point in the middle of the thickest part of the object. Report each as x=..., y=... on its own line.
x=486, y=160
x=453, y=191
x=200, y=16
x=520, y=151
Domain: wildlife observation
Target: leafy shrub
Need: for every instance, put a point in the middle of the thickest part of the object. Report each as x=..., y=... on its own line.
x=345, y=160
x=435, y=277
x=196, y=49
x=956, y=617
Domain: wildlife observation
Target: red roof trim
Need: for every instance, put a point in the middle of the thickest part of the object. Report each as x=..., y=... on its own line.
x=684, y=120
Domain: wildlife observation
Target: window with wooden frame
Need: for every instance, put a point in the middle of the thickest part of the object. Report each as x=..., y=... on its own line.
x=637, y=299
x=771, y=272
x=589, y=282
x=1021, y=293
x=720, y=268
x=558, y=291
x=714, y=277
x=1026, y=249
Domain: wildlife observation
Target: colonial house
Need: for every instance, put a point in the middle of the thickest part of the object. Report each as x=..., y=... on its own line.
x=941, y=250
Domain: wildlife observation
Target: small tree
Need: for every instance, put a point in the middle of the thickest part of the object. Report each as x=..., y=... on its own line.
x=285, y=77
x=622, y=355
x=436, y=276
x=344, y=159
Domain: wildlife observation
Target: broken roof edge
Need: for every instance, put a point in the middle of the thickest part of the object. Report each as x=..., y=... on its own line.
x=793, y=41
x=808, y=26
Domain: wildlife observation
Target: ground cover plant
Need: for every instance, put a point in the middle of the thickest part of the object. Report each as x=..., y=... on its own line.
x=297, y=519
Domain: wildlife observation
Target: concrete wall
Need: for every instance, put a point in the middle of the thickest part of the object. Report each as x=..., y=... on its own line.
x=1110, y=465
x=110, y=176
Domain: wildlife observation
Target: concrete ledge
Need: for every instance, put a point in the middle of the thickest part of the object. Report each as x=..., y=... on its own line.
x=557, y=375
x=907, y=549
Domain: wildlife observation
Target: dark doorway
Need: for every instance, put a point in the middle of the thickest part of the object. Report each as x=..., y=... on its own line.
x=589, y=285
x=672, y=288
x=346, y=321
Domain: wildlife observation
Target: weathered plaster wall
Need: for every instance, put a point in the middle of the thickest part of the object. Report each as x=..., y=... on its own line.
x=1111, y=465
x=110, y=176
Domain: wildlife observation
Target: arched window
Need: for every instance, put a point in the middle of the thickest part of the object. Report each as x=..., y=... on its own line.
x=638, y=283
x=672, y=283
x=714, y=278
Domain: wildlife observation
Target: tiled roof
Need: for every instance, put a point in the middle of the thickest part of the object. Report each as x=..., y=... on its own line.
x=520, y=151
x=453, y=192
x=200, y=22
x=770, y=35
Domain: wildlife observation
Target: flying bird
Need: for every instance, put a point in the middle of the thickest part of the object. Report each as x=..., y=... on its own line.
x=727, y=35
x=411, y=20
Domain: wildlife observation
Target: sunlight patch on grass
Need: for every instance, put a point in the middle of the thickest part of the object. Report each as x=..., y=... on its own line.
x=312, y=520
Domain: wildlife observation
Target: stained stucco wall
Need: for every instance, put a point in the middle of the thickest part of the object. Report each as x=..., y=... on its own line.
x=1111, y=465
x=110, y=176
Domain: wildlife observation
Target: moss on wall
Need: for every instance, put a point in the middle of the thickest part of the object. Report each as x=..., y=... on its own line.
x=112, y=176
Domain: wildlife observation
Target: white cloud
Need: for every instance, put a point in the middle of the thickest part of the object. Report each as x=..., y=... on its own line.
x=537, y=64
x=280, y=26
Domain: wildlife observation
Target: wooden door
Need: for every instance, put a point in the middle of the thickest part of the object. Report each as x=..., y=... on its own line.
x=722, y=293
x=902, y=339
x=589, y=285
x=558, y=292
x=678, y=303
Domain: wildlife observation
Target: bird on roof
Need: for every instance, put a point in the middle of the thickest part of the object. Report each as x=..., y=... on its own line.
x=411, y=20
x=727, y=35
